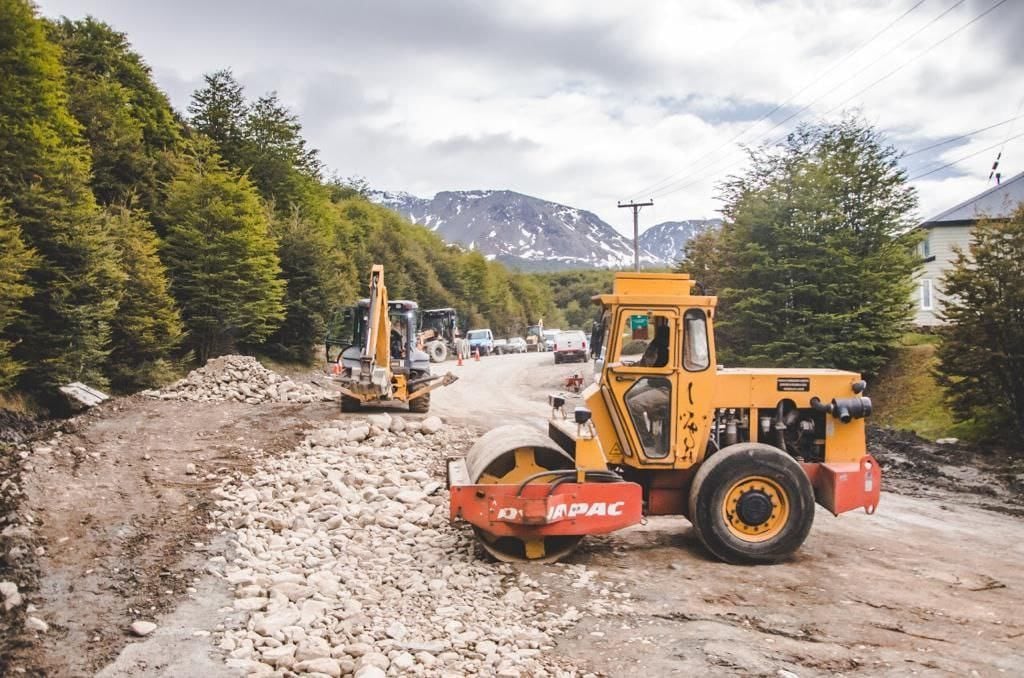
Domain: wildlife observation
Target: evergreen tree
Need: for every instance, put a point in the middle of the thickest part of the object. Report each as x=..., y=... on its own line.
x=44, y=174
x=815, y=260
x=313, y=271
x=981, y=357
x=699, y=259
x=127, y=120
x=222, y=259
x=15, y=260
x=219, y=111
x=147, y=327
x=276, y=156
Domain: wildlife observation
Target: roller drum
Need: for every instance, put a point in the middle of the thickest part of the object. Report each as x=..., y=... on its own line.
x=510, y=455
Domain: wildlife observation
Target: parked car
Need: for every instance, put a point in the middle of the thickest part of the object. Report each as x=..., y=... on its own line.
x=549, y=339
x=516, y=345
x=571, y=346
x=481, y=340
x=500, y=346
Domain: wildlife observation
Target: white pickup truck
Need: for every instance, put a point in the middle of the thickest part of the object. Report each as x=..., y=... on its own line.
x=570, y=346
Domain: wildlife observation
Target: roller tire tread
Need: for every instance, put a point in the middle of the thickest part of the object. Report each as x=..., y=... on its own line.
x=720, y=472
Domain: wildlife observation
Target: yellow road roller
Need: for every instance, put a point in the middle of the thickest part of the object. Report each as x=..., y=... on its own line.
x=744, y=454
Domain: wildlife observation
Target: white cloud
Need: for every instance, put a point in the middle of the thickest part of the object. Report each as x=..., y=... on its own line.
x=587, y=102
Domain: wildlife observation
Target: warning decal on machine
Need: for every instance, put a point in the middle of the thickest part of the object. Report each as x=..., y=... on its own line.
x=793, y=384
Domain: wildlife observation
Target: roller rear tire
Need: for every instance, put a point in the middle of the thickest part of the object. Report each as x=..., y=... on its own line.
x=751, y=503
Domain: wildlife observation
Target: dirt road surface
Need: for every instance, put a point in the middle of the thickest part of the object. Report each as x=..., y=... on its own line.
x=928, y=586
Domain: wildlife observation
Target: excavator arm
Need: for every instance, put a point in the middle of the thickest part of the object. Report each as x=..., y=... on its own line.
x=375, y=360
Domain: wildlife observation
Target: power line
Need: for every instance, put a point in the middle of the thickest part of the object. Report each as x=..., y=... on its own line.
x=839, y=85
x=917, y=56
x=999, y=156
x=813, y=101
x=775, y=110
x=966, y=157
x=662, y=192
x=881, y=58
x=965, y=135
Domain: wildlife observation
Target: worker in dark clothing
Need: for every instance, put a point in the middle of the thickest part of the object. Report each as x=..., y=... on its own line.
x=397, y=342
x=656, y=354
x=649, y=400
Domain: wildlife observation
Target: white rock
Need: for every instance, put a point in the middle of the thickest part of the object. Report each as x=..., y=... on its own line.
x=397, y=630
x=250, y=604
x=324, y=665
x=142, y=628
x=36, y=624
x=403, y=661
x=312, y=648
x=358, y=433
x=431, y=425
x=358, y=649
x=374, y=659
x=381, y=420
x=270, y=624
x=12, y=598
x=410, y=496
x=947, y=441
x=370, y=672
x=274, y=655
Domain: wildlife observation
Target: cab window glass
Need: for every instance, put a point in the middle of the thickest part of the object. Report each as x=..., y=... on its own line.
x=649, y=402
x=644, y=339
x=696, y=355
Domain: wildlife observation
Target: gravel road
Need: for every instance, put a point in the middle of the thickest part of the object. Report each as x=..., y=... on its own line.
x=280, y=538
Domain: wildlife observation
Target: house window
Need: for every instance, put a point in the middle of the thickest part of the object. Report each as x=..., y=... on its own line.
x=926, y=295
x=926, y=246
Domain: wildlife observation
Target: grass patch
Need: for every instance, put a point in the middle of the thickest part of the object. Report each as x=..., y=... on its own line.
x=906, y=395
x=919, y=339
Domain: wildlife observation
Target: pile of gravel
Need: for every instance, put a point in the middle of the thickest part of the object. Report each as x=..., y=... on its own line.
x=344, y=557
x=241, y=378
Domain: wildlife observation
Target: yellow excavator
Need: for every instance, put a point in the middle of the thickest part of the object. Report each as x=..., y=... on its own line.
x=379, y=360
x=744, y=454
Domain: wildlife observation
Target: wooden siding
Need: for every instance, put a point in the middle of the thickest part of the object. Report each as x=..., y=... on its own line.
x=941, y=240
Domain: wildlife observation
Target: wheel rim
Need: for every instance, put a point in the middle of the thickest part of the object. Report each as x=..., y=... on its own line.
x=513, y=467
x=756, y=509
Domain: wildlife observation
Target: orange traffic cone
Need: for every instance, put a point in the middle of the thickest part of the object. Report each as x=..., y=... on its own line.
x=460, y=360
x=336, y=369
x=477, y=355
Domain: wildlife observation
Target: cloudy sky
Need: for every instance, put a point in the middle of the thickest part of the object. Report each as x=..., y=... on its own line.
x=589, y=102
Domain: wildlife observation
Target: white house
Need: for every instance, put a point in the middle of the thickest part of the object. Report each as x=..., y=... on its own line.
x=952, y=229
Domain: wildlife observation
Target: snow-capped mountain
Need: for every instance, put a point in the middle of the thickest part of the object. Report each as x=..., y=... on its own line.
x=668, y=238
x=520, y=230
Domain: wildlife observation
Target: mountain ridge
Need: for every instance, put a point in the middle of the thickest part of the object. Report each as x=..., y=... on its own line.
x=526, y=232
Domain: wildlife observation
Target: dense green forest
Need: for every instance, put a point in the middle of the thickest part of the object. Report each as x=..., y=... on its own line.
x=137, y=239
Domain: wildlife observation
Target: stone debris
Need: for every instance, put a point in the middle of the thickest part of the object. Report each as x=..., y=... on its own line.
x=345, y=550
x=36, y=624
x=239, y=378
x=12, y=598
x=142, y=628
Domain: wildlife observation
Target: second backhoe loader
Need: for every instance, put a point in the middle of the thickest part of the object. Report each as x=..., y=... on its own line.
x=379, y=361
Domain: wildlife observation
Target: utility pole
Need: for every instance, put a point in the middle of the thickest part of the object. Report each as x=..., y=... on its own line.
x=636, y=228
